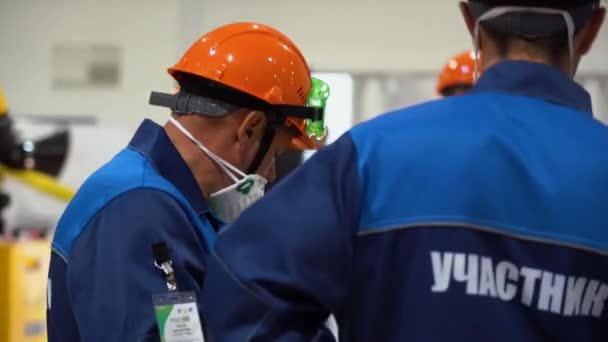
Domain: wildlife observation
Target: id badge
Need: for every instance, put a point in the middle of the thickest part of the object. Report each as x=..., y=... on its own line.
x=177, y=317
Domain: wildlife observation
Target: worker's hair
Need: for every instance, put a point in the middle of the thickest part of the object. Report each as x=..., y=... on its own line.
x=552, y=47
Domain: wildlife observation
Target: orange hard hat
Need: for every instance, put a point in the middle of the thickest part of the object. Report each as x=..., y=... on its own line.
x=256, y=62
x=458, y=72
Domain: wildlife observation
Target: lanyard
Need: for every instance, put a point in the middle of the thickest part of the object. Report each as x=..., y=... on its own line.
x=164, y=263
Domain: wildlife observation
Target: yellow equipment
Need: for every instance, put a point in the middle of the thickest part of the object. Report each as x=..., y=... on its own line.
x=40, y=182
x=24, y=264
x=23, y=280
x=23, y=271
x=3, y=104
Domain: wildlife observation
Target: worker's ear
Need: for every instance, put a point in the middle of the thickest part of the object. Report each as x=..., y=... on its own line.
x=468, y=18
x=589, y=32
x=251, y=130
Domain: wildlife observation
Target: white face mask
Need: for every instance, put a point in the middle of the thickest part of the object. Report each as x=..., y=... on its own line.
x=498, y=11
x=228, y=203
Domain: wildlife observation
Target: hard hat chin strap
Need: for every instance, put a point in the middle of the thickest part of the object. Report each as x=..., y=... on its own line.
x=265, y=143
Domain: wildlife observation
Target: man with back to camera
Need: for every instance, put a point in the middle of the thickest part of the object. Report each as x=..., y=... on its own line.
x=479, y=217
x=131, y=248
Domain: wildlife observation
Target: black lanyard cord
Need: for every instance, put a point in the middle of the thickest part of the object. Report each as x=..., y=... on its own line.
x=162, y=261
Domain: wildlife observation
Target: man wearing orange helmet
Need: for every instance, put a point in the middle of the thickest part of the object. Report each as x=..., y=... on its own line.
x=142, y=225
x=458, y=75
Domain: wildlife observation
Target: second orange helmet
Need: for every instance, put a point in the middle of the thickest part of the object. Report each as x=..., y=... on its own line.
x=458, y=72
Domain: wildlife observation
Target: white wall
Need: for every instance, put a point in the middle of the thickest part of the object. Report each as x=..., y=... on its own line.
x=380, y=35
x=380, y=93
x=145, y=29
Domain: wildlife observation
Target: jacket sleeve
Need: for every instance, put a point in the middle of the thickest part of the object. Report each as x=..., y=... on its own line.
x=60, y=320
x=284, y=265
x=111, y=274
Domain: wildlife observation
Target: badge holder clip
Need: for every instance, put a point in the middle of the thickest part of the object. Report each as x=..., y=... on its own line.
x=176, y=312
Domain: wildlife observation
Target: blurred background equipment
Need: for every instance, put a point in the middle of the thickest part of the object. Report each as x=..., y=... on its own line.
x=24, y=251
x=33, y=162
x=48, y=154
x=24, y=268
